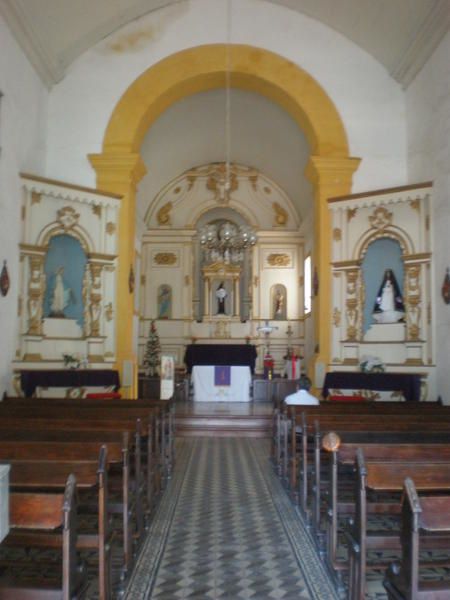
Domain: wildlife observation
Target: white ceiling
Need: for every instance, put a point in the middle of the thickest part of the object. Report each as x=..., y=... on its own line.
x=400, y=34
x=191, y=133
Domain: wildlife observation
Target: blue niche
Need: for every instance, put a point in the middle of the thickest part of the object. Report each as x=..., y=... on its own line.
x=64, y=270
x=384, y=253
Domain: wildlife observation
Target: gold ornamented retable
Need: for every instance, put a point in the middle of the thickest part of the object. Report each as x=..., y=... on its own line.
x=278, y=259
x=165, y=258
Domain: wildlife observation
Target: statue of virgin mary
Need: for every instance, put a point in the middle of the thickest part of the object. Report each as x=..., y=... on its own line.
x=389, y=307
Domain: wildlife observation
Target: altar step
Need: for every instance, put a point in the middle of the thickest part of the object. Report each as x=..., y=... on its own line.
x=256, y=426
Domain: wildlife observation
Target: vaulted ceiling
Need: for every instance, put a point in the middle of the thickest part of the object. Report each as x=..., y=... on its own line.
x=400, y=34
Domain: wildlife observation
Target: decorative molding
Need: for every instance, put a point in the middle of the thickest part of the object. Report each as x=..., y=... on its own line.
x=351, y=212
x=65, y=191
x=336, y=317
x=97, y=210
x=278, y=259
x=35, y=198
x=337, y=234
x=110, y=228
x=423, y=44
x=281, y=216
x=380, y=218
x=165, y=259
x=109, y=311
x=163, y=214
x=67, y=217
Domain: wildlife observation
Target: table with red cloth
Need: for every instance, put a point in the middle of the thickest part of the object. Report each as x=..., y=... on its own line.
x=406, y=383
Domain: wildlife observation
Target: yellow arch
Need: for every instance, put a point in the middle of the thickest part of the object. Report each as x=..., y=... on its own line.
x=119, y=167
x=203, y=68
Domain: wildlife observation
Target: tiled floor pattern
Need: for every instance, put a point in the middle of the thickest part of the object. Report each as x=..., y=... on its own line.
x=226, y=530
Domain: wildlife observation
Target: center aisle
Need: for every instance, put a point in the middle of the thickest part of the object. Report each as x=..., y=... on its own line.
x=226, y=529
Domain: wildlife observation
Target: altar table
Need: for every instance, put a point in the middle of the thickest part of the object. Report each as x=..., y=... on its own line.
x=406, y=383
x=205, y=389
x=220, y=354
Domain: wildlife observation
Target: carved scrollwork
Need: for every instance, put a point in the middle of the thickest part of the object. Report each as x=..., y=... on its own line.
x=352, y=305
x=163, y=214
x=36, y=292
x=336, y=317
x=279, y=260
x=165, y=258
x=413, y=301
x=67, y=217
x=281, y=216
x=380, y=218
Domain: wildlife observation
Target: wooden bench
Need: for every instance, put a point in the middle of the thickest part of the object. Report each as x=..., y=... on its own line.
x=131, y=501
x=383, y=477
x=425, y=514
x=41, y=515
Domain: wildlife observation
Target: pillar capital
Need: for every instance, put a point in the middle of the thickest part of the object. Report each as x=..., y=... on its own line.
x=332, y=171
x=118, y=169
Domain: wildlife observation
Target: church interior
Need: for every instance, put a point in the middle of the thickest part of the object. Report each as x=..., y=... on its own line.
x=201, y=201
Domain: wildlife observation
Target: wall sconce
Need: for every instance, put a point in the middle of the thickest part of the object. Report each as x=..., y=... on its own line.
x=4, y=280
x=446, y=287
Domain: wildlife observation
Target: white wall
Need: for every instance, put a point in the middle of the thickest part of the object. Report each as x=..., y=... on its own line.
x=370, y=102
x=23, y=121
x=428, y=117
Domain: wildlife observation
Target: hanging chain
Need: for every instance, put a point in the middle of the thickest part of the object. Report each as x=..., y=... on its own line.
x=228, y=100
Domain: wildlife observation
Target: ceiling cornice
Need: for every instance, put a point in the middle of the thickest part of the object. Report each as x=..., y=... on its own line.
x=423, y=45
x=16, y=19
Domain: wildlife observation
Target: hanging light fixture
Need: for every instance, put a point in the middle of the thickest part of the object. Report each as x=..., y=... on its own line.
x=222, y=240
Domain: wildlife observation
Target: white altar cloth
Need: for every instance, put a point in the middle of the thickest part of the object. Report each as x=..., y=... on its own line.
x=206, y=391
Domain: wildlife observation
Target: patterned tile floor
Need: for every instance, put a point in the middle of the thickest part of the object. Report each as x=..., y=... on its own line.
x=225, y=529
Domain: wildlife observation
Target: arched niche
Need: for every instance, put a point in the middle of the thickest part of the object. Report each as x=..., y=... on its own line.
x=64, y=268
x=381, y=254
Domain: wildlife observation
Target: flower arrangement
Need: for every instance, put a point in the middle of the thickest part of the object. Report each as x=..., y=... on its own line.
x=371, y=364
x=74, y=361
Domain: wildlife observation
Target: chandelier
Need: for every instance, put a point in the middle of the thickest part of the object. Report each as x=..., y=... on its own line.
x=223, y=241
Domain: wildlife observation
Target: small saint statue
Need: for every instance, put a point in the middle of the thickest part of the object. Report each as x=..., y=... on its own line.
x=279, y=304
x=221, y=294
x=389, y=307
x=62, y=295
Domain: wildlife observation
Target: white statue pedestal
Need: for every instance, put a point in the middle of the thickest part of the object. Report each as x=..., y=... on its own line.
x=385, y=332
x=61, y=328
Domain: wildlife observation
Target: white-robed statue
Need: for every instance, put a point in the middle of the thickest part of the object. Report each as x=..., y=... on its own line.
x=389, y=307
x=61, y=295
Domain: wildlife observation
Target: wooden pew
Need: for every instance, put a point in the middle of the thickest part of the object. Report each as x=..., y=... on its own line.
x=47, y=512
x=131, y=503
x=382, y=477
x=48, y=463
x=429, y=515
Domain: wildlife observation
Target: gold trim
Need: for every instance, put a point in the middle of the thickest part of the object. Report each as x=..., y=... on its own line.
x=403, y=188
x=100, y=256
x=165, y=258
x=279, y=259
x=23, y=213
x=281, y=216
x=350, y=361
x=418, y=256
x=32, y=357
x=417, y=362
x=337, y=234
x=163, y=214
x=69, y=186
x=96, y=358
x=110, y=228
x=33, y=248
x=35, y=198
x=345, y=264
x=351, y=212
x=97, y=209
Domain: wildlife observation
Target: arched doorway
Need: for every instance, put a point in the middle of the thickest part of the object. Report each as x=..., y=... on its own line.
x=119, y=167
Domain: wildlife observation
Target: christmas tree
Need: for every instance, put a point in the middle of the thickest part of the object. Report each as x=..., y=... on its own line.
x=152, y=351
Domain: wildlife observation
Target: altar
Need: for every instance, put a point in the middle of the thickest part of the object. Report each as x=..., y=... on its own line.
x=222, y=383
